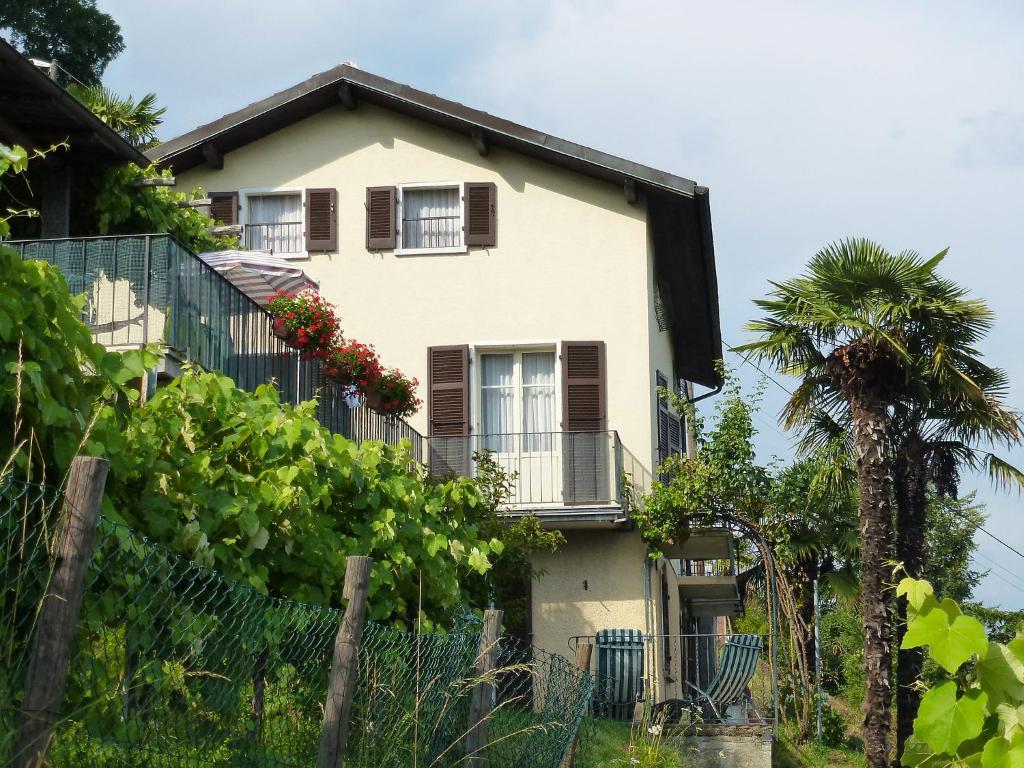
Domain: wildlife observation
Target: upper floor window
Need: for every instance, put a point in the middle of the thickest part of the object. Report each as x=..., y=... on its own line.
x=274, y=222
x=517, y=400
x=431, y=217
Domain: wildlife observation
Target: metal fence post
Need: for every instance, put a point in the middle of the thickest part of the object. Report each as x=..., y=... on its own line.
x=481, y=700
x=583, y=654
x=52, y=643
x=345, y=664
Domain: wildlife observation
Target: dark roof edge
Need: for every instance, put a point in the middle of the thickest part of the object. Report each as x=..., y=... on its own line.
x=427, y=104
x=76, y=109
x=703, y=200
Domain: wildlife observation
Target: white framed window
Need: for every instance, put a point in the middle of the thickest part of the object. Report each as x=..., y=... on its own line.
x=431, y=218
x=273, y=221
x=518, y=400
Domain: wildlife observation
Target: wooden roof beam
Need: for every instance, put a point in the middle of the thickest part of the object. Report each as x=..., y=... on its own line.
x=212, y=156
x=347, y=96
x=480, y=140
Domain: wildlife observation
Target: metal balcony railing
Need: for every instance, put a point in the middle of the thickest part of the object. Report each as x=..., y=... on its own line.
x=722, y=567
x=149, y=289
x=549, y=469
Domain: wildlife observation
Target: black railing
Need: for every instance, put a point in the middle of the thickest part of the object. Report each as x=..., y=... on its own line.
x=149, y=289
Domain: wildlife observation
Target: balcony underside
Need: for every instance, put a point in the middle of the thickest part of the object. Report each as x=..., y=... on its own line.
x=710, y=595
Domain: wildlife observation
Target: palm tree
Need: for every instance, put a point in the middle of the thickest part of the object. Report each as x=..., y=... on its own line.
x=935, y=438
x=845, y=329
x=135, y=121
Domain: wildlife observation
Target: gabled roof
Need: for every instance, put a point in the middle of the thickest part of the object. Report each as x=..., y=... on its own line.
x=346, y=83
x=679, y=208
x=37, y=113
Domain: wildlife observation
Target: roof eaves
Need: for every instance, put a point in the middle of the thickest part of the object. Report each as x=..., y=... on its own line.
x=72, y=106
x=389, y=90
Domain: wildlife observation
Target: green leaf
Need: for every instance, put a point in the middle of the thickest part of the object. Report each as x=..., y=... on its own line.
x=1011, y=719
x=1000, y=753
x=1001, y=675
x=944, y=721
x=916, y=590
x=916, y=754
x=951, y=637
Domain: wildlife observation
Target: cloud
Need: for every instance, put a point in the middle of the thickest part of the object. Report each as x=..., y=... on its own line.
x=996, y=138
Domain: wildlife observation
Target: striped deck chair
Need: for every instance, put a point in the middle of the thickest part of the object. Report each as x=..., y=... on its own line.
x=735, y=671
x=620, y=669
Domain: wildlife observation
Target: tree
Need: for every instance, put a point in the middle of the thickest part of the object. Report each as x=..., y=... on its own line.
x=844, y=329
x=937, y=433
x=938, y=424
x=135, y=121
x=75, y=33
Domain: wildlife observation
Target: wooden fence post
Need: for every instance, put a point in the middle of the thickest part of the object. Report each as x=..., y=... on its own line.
x=50, y=655
x=482, y=696
x=583, y=653
x=345, y=665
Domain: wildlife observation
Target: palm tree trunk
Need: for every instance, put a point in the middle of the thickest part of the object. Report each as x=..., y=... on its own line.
x=870, y=421
x=910, y=482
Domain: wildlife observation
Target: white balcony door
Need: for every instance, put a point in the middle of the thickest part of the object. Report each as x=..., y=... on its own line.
x=518, y=421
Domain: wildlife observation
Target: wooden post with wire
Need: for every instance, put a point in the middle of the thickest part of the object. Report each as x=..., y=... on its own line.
x=53, y=641
x=583, y=654
x=345, y=665
x=481, y=700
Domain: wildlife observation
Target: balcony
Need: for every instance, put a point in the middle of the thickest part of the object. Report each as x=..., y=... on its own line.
x=706, y=573
x=149, y=289
x=559, y=476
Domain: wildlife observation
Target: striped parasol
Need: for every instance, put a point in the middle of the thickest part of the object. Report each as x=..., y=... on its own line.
x=258, y=274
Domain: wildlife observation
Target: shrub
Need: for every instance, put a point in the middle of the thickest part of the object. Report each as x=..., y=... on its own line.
x=60, y=392
x=975, y=716
x=262, y=492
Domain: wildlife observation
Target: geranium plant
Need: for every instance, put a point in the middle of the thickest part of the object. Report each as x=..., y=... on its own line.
x=354, y=365
x=394, y=394
x=305, y=321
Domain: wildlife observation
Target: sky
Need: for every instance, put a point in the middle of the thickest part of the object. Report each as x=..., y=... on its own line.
x=809, y=122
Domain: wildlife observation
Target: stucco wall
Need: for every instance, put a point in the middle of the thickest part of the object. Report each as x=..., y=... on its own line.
x=595, y=581
x=571, y=262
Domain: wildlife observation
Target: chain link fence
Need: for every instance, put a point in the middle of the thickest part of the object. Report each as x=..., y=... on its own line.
x=174, y=665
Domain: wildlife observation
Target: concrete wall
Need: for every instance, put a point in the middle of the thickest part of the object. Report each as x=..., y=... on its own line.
x=603, y=579
x=572, y=259
x=744, y=748
x=595, y=581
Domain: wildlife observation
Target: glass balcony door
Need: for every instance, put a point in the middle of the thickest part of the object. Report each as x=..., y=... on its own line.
x=519, y=421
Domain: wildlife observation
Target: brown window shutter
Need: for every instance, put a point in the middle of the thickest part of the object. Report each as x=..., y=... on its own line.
x=675, y=436
x=380, y=218
x=321, y=220
x=586, y=451
x=224, y=207
x=664, y=418
x=481, y=215
x=583, y=386
x=448, y=409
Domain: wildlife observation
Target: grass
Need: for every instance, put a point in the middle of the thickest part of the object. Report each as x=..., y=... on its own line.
x=601, y=742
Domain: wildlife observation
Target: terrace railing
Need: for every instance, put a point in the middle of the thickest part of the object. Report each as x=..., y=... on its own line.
x=551, y=469
x=149, y=289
